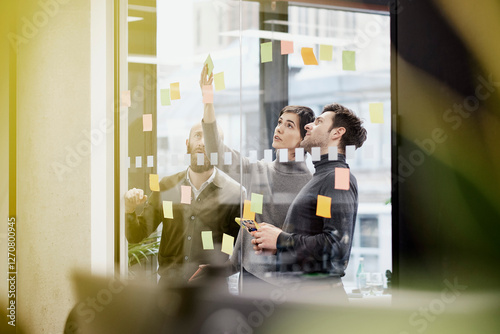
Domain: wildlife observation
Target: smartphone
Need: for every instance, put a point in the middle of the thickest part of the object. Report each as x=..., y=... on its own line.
x=249, y=224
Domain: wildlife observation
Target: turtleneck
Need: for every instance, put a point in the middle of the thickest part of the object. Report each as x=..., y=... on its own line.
x=325, y=165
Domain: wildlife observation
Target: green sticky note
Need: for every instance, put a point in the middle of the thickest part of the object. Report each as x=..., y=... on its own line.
x=168, y=211
x=266, y=52
x=165, y=97
x=219, y=81
x=256, y=205
x=227, y=244
x=376, y=112
x=206, y=239
x=325, y=52
x=349, y=60
x=210, y=64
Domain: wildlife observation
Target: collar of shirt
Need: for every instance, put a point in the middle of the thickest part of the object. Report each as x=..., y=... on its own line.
x=197, y=192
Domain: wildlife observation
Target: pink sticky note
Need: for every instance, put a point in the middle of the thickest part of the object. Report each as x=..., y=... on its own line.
x=147, y=122
x=125, y=99
x=208, y=94
x=186, y=194
x=342, y=178
x=286, y=47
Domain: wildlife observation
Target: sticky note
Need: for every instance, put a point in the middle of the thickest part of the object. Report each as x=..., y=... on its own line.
x=323, y=208
x=187, y=159
x=168, y=211
x=214, y=158
x=341, y=178
x=266, y=52
x=299, y=154
x=125, y=100
x=247, y=212
x=376, y=112
x=175, y=93
x=147, y=122
x=308, y=56
x=350, y=152
x=256, y=203
x=128, y=162
x=286, y=47
x=154, y=182
x=228, y=158
x=219, y=81
x=150, y=161
x=348, y=60
x=186, y=194
x=333, y=153
x=206, y=239
x=210, y=64
x=208, y=94
x=227, y=244
x=252, y=156
x=138, y=162
x=316, y=154
x=165, y=97
x=268, y=155
x=200, y=159
x=325, y=52
x=283, y=154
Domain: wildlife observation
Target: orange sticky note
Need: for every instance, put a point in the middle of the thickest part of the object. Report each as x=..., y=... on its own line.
x=168, y=211
x=342, y=178
x=286, y=47
x=147, y=122
x=247, y=212
x=308, y=56
x=227, y=244
x=206, y=239
x=266, y=52
x=154, y=183
x=208, y=94
x=125, y=99
x=325, y=52
x=186, y=194
x=323, y=208
x=219, y=81
x=175, y=93
x=376, y=112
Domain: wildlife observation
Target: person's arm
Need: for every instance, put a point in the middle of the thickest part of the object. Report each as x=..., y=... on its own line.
x=138, y=227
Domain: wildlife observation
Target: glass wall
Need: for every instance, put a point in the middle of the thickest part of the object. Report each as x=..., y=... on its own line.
x=259, y=53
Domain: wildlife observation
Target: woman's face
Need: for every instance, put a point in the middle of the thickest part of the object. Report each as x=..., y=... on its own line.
x=287, y=132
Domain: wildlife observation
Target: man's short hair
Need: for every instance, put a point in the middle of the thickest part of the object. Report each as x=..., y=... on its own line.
x=306, y=116
x=355, y=133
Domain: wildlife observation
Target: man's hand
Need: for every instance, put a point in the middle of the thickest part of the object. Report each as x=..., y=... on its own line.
x=265, y=238
x=205, y=80
x=208, y=108
x=133, y=198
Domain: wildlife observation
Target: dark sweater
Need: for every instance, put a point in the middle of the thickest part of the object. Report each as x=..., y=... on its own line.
x=313, y=244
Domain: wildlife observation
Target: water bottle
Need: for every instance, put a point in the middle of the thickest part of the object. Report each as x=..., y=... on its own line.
x=361, y=269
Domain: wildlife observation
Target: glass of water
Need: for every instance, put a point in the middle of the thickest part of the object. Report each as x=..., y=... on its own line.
x=376, y=283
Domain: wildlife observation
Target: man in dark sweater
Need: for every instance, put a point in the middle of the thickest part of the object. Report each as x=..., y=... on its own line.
x=316, y=237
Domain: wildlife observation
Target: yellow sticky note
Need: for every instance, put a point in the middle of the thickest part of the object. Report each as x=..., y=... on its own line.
x=206, y=239
x=325, y=52
x=247, y=212
x=147, y=122
x=349, y=60
x=210, y=64
x=376, y=112
x=227, y=244
x=219, y=81
x=342, y=178
x=154, y=182
x=186, y=194
x=323, y=208
x=286, y=47
x=308, y=56
x=266, y=52
x=175, y=93
x=168, y=211
x=125, y=100
x=165, y=97
x=256, y=203
x=208, y=94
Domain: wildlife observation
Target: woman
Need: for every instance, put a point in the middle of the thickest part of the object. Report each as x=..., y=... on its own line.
x=278, y=182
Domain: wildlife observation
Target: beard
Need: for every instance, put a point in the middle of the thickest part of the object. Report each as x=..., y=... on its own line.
x=194, y=161
x=310, y=142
